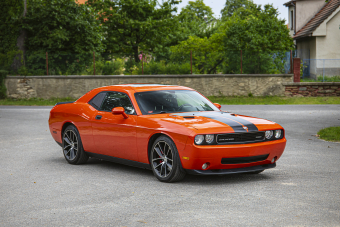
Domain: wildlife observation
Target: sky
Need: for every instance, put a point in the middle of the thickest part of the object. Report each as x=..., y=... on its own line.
x=218, y=5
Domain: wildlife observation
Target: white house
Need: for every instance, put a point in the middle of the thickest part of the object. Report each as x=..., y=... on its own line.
x=315, y=28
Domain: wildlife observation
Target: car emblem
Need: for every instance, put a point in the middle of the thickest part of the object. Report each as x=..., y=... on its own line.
x=246, y=128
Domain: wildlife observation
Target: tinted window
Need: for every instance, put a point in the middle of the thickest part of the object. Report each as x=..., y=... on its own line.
x=116, y=99
x=96, y=102
x=155, y=102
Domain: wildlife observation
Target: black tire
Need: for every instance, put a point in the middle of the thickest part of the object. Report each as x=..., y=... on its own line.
x=165, y=162
x=72, y=146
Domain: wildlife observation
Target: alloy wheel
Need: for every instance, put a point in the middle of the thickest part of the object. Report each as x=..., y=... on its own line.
x=70, y=145
x=162, y=159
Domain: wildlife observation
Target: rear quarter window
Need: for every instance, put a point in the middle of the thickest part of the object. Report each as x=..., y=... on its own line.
x=97, y=101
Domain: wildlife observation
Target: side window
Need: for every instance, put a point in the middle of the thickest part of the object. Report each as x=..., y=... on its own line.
x=116, y=99
x=96, y=102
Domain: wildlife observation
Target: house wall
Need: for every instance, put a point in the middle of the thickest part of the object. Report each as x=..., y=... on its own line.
x=291, y=31
x=81, y=1
x=306, y=47
x=306, y=10
x=328, y=48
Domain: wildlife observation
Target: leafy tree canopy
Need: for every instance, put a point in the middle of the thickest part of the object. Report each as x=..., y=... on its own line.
x=257, y=32
x=132, y=26
x=196, y=11
x=62, y=26
x=10, y=13
x=256, y=29
x=233, y=5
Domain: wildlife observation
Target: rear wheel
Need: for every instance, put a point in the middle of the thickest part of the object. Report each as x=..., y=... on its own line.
x=165, y=162
x=73, y=147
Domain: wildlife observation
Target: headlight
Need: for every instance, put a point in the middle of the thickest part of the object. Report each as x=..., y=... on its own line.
x=199, y=139
x=209, y=138
x=278, y=134
x=269, y=135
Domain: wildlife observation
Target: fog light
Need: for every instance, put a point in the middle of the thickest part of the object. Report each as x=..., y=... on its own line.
x=205, y=165
x=274, y=159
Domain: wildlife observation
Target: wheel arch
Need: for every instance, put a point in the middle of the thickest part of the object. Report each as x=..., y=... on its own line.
x=65, y=125
x=153, y=139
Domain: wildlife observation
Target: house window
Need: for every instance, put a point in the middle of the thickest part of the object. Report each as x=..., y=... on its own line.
x=291, y=20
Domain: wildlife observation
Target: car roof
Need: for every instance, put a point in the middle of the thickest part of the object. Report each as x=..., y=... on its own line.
x=145, y=87
x=131, y=88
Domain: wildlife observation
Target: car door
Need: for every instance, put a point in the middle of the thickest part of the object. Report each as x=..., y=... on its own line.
x=113, y=134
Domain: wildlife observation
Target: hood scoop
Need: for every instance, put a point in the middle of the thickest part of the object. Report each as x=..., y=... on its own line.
x=189, y=117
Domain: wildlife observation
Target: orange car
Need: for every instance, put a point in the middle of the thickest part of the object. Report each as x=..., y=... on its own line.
x=172, y=130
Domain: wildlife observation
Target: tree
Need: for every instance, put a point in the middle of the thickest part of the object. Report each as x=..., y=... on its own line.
x=196, y=10
x=206, y=52
x=132, y=26
x=258, y=30
x=11, y=11
x=197, y=19
x=260, y=34
x=68, y=31
x=233, y=5
x=58, y=26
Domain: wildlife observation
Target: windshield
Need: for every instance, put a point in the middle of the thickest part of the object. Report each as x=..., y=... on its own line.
x=155, y=102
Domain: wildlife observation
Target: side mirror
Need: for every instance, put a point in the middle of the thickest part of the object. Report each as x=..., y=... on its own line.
x=218, y=105
x=118, y=111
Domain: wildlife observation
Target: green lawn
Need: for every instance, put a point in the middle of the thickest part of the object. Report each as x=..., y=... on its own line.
x=322, y=79
x=274, y=100
x=330, y=134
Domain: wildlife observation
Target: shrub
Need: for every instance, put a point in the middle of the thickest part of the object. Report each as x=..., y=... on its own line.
x=158, y=68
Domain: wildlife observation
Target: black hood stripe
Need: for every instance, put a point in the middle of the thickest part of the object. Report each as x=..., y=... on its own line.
x=236, y=123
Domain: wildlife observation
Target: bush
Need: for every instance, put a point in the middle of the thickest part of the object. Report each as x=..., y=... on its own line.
x=157, y=68
x=103, y=67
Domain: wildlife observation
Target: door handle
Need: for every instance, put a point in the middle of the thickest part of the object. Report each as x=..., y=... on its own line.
x=98, y=117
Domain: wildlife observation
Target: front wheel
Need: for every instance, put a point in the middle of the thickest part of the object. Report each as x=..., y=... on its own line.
x=72, y=146
x=165, y=162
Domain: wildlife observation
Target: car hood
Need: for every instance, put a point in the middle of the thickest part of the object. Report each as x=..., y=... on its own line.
x=220, y=122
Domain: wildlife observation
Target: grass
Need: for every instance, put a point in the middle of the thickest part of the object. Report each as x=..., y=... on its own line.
x=331, y=134
x=33, y=101
x=320, y=79
x=274, y=100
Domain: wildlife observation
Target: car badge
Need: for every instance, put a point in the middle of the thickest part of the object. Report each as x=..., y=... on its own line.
x=246, y=128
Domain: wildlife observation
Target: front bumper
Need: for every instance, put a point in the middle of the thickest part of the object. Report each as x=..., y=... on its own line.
x=193, y=156
x=230, y=171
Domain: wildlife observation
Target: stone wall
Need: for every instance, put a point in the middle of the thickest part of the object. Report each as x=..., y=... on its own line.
x=312, y=89
x=76, y=86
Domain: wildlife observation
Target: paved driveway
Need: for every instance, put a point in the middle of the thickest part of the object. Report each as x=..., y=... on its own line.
x=38, y=187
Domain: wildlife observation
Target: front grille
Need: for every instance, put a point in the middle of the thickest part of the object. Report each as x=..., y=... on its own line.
x=243, y=160
x=246, y=137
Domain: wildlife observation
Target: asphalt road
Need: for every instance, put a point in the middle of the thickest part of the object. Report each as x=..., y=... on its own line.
x=39, y=188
